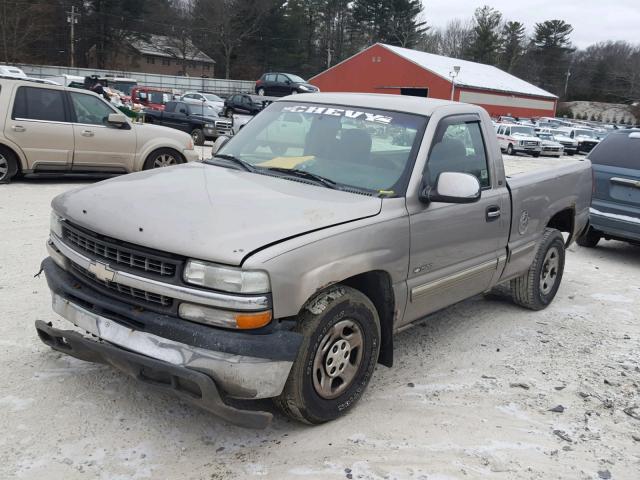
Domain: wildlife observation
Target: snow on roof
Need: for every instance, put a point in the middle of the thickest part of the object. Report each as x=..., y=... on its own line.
x=475, y=75
x=171, y=47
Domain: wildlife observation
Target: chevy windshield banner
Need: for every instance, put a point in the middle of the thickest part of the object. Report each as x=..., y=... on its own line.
x=339, y=112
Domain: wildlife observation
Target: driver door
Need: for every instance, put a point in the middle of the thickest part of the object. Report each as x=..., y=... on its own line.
x=98, y=145
x=456, y=248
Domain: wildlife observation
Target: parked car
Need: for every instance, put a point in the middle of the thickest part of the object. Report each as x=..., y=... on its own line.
x=11, y=71
x=569, y=144
x=199, y=120
x=51, y=129
x=585, y=137
x=281, y=84
x=245, y=103
x=615, y=206
x=550, y=147
x=151, y=98
x=284, y=275
x=514, y=139
x=210, y=99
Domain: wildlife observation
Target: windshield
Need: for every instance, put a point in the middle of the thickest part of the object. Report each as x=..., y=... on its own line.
x=585, y=133
x=296, y=79
x=523, y=131
x=124, y=87
x=203, y=109
x=545, y=136
x=158, y=97
x=212, y=98
x=361, y=148
x=559, y=133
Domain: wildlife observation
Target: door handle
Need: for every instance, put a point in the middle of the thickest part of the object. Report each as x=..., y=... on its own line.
x=87, y=133
x=493, y=213
x=18, y=128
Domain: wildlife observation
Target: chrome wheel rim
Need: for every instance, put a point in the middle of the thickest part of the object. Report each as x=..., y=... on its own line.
x=338, y=359
x=164, y=160
x=4, y=167
x=549, y=273
x=261, y=92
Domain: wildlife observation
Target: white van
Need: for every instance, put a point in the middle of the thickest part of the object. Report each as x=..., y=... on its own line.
x=11, y=71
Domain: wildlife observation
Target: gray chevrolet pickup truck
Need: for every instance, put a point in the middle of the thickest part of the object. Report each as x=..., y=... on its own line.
x=282, y=269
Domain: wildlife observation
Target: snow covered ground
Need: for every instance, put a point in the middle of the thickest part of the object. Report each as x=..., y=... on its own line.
x=470, y=394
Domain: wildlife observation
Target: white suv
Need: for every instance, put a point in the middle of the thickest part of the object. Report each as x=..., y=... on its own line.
x=515, y=139
x=55, y=129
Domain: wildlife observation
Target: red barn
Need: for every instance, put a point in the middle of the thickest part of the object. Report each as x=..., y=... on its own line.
x=387, y=69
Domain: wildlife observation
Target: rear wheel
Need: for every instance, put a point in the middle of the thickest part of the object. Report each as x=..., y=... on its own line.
x=589, y=239
x=8, y=165
x=537, y=288
x=339, y=351
x=163, y=157
x=198, y=136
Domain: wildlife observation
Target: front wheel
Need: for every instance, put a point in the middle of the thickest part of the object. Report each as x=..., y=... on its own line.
x=589, y=239
x=510, y=149
x=261, y=92
x=536, y=154
x=537, y=288
x=163, y=157
x=339, y=351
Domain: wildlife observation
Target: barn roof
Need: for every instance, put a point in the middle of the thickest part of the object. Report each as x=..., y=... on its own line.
x=474, y=75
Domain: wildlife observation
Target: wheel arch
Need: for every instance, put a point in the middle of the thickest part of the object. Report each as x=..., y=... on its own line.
x=564, y=221
x=152, y=152
x=376, y=285
x=22, y=162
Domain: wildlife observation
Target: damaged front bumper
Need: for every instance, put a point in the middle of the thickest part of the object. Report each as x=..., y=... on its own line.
x=216, y=364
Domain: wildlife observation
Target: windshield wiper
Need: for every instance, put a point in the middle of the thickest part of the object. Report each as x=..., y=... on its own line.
x=241, y=163
x=306, y=175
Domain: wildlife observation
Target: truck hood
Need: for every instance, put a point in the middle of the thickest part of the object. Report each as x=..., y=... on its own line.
x=209, y=212
x=526, y=138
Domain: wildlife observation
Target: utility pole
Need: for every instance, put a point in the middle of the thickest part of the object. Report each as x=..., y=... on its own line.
x=72, y=20
x=566, y=83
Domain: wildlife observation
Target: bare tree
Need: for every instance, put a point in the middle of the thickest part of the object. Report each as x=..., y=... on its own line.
x=456, y=38
x=21, y=26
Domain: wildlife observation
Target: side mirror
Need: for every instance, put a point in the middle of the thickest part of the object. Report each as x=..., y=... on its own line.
x=453, y=187
x=219, y=143
x=117, y=119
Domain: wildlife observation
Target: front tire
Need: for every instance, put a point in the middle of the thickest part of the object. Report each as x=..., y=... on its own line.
x=163, y=157
x=510, y=149
x=198, y=136
x=537, y=288
x=589, y=239
x=8, y=165
x=536, y=155
x=261, y=92
x=339, y=352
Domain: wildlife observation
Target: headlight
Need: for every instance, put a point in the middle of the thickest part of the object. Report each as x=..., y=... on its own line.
x=223, y=318
x=56, y=224
x=305, y=88
x=209, y=125
x=226, y=279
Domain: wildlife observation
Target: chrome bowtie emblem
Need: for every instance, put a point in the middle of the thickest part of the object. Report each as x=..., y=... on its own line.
x=102, y=271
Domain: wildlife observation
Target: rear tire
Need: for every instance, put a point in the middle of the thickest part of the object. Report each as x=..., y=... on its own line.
x=8, y=165
x=589, y=239
x=339, y=352
x=198, y=136
x=537, y=288
x=163, y=157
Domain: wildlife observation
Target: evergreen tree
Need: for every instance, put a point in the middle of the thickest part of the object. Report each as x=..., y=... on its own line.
x=552, y=47
x=512, y=40
x=486, y=39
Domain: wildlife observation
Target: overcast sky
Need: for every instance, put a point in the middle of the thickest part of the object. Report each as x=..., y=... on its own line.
x=593, y=20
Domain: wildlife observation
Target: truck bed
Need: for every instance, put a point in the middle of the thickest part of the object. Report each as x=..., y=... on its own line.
x=520, y=165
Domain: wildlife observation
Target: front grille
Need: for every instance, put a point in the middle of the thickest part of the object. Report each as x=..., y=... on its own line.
x=531, y=144
x=120, y=254
x=135, y=293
